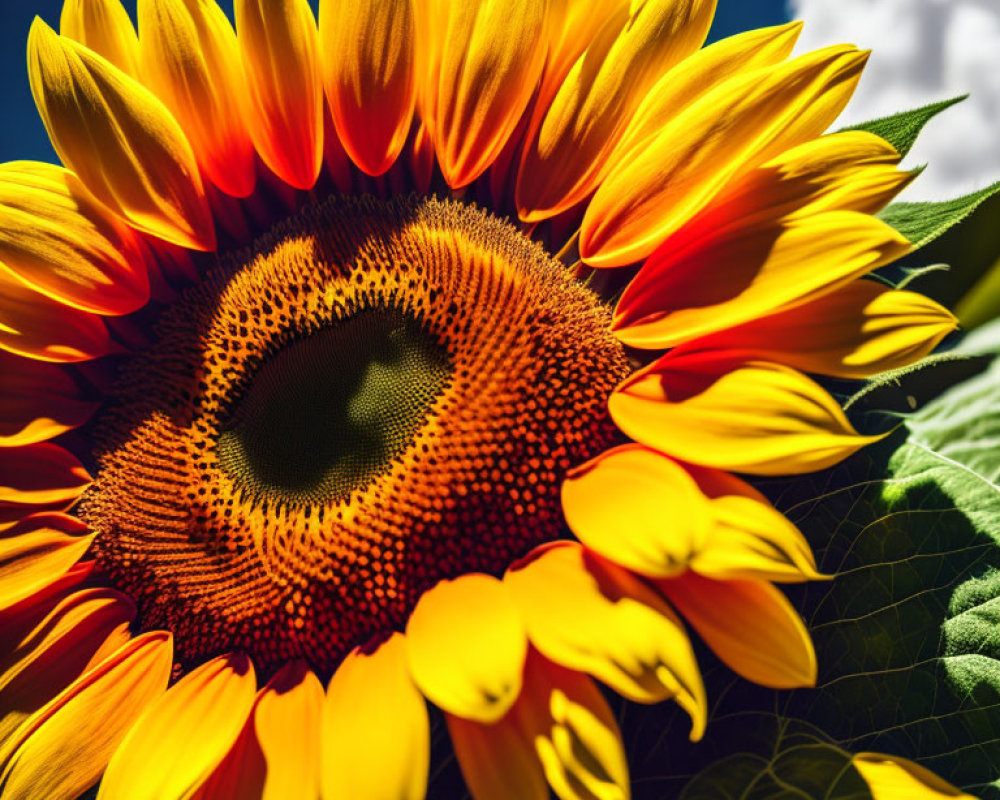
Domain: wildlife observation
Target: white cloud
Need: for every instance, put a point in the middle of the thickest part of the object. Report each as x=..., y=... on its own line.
x=924, y=50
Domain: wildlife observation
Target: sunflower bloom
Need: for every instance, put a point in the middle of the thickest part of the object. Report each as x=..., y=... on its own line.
x=404, y=356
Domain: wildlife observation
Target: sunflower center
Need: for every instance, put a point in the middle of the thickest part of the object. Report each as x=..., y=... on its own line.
x=377, y=396
x=327, y=414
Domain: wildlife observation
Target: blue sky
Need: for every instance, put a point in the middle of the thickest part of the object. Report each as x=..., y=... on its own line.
x=22, y=134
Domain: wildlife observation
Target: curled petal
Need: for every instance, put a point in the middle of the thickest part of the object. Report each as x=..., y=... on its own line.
x=367, y=51
x=894, y=778
x=567, y=157
x=35, y=326
x=860, y=330
x=749, y=625
x=742, y=123
x=469, y=665
x=659, y=518
x=480, y=64
x=755, y=271
x=36, y=551
x=749, y=538
x=184, y=734
x=280, y=55
x=376, y=733
x=746, y=416
x=40, y=474
x=119, y=139
x=59, y=240
x=65, y=745
x=38, y=401
x=590, y=615
x=104, y=27
x=190, y=59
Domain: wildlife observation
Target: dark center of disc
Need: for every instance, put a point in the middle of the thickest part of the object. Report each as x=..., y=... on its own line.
x=328, y=413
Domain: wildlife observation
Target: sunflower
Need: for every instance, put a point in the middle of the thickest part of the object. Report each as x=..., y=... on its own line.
x=407, y=357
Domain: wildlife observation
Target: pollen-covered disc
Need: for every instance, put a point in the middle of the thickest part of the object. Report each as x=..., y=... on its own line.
x=376, y=396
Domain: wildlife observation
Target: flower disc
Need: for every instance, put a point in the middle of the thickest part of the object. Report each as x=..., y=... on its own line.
x=377, y=396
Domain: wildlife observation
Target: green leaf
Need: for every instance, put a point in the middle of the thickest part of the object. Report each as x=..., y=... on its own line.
x=901, y=130
x=922, y=223
x=907, y=635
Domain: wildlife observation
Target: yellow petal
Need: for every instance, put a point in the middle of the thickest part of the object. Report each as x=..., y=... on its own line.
x=291, y=701
x=699, y=74
x=480, y=64
x=278, y=42
x=749, y=538
x=190, y=59
x=376, y=734
x=567, y=157
x=38, y=663
x=737, y=126
x=754, y=272
x=74, y=736
x=58, y=239
x=35, y=326
x=749, y=625
x=847, y=171
x=894, y=778
x=36, y=551
x=575, y=735
x=104, y=27
x=659, y=517
x=367, y=51
x=497, y=761
x=861, y=329
x=38, y=401
x=588, y=614
x=467, y=664
x=119, y=139
x=183, y=735
x=40, y=474
x=745, y=416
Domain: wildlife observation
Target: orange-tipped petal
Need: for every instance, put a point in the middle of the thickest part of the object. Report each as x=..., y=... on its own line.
x=119, y=139
x=479, y=66
x=754, y=271
x=36, y=551
x=278, y=41
x=746, y=416
x=58, y=239
x=749, y=538
x=567, y=157
x=859, y=330
x=469, y=665
x=190, y=59
x=40, y=474
x=104, y=27
x=659, y=518
x=737, y=126
x=700, y=73
x=184, y=734
x=38, y=401
x=588, y=614
x=40, y=662
x=36, y=326
x=575, y=735
x=367, y=51
x=749, y=625
x=291, y=701
x=74, y=736
x=895, y=778
x=496, y=759
x=376, y=734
